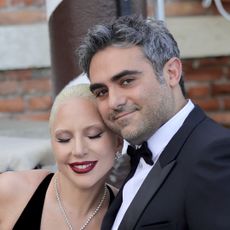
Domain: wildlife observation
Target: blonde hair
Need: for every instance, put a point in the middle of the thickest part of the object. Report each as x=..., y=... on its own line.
x=78, y=91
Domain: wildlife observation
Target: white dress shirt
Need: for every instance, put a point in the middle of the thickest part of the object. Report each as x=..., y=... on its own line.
x=156, y=144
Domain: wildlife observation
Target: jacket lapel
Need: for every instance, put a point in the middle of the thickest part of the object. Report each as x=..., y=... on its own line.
x=110, y=216
x=177, y=142
x=155, y=178
x=161, y=169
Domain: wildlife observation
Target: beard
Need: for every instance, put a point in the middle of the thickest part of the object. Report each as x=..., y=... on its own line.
x=155, y=111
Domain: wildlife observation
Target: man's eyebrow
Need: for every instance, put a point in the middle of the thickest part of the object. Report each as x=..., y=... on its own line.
x=114, y=78
x=118, y=76
x=95, y=86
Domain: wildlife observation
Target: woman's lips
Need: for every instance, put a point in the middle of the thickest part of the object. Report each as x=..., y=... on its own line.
x=83, y=167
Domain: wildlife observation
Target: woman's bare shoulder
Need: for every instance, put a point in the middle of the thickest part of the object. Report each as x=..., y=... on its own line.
x=16, y=188
x=14, y=182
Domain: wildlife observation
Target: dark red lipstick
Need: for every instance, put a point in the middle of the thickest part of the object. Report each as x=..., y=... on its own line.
x=83, y=167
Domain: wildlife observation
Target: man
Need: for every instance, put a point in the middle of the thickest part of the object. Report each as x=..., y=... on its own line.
x=136, y=74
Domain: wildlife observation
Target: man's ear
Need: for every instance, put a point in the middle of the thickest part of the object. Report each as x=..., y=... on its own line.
x=173, y=71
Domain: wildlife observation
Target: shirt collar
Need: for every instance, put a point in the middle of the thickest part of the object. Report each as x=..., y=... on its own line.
x=158, y=141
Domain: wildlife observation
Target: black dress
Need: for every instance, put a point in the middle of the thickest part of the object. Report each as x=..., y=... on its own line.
x=31, y=216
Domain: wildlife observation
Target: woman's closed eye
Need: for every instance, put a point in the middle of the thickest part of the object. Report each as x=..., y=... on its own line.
x=62, y=140
x=95, y=136
x=63, y=136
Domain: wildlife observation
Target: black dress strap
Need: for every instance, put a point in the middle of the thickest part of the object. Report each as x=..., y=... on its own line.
x=111, y=195
x=32, y=213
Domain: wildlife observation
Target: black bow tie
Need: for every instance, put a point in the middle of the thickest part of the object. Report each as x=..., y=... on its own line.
x=143, y=152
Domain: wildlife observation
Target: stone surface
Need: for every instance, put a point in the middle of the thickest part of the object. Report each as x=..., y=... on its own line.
x=24, y=145
x=24, y=129
x=24, y=46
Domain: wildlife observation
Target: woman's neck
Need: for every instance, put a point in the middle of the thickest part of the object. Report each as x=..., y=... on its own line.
x=81, y=200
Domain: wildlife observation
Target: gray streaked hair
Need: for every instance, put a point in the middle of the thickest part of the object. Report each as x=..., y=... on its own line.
x=78, y=91
x=157, y=43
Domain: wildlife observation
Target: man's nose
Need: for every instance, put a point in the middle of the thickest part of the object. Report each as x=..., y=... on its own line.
x=116, y=99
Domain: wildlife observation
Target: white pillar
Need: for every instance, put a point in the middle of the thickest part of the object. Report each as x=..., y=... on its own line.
x=159, y=9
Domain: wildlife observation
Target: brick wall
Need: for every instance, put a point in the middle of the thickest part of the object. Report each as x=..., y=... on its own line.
x=22, y=11
x=207, y=79
x=208, y=84
x=26, y=94
x=187, y=8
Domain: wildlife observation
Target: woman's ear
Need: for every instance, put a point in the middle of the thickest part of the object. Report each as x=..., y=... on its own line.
x=173, y=70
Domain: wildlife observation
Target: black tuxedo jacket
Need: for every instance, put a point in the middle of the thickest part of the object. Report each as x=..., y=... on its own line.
x=188, y=187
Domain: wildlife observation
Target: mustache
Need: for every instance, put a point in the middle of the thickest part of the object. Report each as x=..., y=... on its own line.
x=122, y=109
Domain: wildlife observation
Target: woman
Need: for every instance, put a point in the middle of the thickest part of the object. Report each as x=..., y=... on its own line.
x=76, y=196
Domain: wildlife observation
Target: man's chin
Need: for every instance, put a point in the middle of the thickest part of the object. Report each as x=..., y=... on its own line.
x=135, y=137
x=128, y=134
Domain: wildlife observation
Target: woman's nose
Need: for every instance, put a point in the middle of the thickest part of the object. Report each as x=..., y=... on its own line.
x=79, y=148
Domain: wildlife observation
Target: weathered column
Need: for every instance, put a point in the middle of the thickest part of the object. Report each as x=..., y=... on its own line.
x=69, y=21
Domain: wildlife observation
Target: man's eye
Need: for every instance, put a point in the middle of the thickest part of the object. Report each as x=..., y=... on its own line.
x=95, y=136
x=126, y=81
x=100, y=93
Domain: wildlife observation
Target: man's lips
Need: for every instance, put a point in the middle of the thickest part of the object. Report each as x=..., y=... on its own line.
x=83, y=167
x=121, y=115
